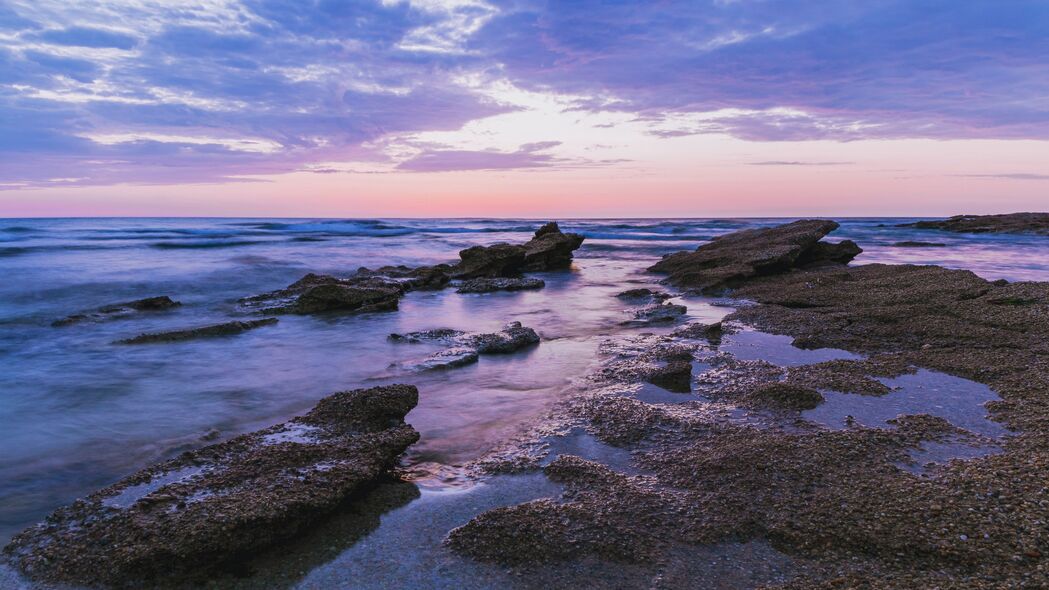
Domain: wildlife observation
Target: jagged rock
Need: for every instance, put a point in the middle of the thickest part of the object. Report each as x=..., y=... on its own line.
x=119, y=310
x=497, y=260
x=427, y=335
x=729, y=260
x=500, y=284
x=422, y=278
x=447, y=359
x=224, y=329
x=321, y=293
x=676, y=376
x=657, y=314
x=513, y=338
x=785, y=396
x=643, y=293
x=712, y=333
x=208, y=507
x=551, y=249
x=1008, y=223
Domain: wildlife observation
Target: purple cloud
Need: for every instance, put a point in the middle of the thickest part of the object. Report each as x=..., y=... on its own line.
x=527, y=156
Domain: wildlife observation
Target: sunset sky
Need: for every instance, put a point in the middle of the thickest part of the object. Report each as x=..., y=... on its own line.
x=403, y=108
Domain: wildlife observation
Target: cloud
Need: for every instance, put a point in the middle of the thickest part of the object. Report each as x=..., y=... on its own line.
x=88, y=37
x=1008, y=176
x=443, y=160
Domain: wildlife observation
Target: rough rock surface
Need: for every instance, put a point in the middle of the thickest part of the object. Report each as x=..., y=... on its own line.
x=729, y=260
x=712, y=333
x=551, y=249
x=421, y=278
x=212, y=507
x=511, y=339
x=119, y=310
x=675, y=376
x=224, y=329
x=438, y=334
x=660, y=313
x=450, y=358
x=786, y=396
x=1008, y=223
x=643, y=293
x=323, y=293
x=500, y=284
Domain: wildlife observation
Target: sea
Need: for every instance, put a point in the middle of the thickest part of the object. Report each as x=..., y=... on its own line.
x=79, y=412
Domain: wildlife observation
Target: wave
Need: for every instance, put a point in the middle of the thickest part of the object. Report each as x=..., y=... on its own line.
x=206, y=245
x=18, y=229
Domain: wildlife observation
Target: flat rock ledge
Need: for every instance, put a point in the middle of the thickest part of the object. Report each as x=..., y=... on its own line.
x=119, y=310
x=727, y=261
x=464, y=348
x=212, y=331
x=209, y=508
x=1008, y=223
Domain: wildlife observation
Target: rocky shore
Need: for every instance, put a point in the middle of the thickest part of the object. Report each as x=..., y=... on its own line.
x=695, y=445
x=1009, y=223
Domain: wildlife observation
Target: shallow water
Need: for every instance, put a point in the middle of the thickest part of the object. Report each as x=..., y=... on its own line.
x=77, y=412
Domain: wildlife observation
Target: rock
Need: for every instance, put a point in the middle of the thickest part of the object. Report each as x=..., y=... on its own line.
x=497, y=260
x=1008, y=223
x=422, y=278
x=427, y=335
x=676, y=376
x=551, y=249
x=917, y=244
x=643, y=293
x=356, y=298
x=728, y=261
x=712, y=333
x=206, y=508
x=657, y=314
x=225, y=329
x=513, y=338
x=500, y=284
x=447, y=359
x=785, y=396
x=119, y=310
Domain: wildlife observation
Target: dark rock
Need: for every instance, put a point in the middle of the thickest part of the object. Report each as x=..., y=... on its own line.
x=513, y=338
x=438, y=334
x=917, y=244
x=497, y=260
x=657, y=314
x=1008, y=223
x=223, y=502
x=447, y=359
x=785, y=396
x=727, y=261
x=358, y=298
x=712, y=333
x=643, y=293
x=551, y=249
x=225, y=329
x=500, y=284
x=120, y=310
x=422, y=278
x=676, y=376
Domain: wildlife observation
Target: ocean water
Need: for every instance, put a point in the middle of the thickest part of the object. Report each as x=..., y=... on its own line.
x=78, y=412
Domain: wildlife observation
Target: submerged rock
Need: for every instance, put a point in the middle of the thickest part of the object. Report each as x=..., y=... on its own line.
x=918, y=244
x=511, y=339
x=727, y=261
x=500, y=284
x=224, y=502
x=224, y=329
x=551, y=249
x=1008, y=223
x=119, y=310
x=459, y=356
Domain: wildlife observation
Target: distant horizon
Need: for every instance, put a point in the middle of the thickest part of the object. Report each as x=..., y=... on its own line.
x=490, y=218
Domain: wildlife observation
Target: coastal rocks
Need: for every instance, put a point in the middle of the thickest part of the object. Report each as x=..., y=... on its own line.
x=209, y=508
x=323, y=293
x=785, y=396
x=500, y=284
x=438, y=334
x=447, y=359
x=422, y=278
x=1008, y=223
x=497, y=260
x=643, y=294
x=224, y=329
x=712, y=333
x=551, y=249
x=119, y=310
x=663, y=313
x=511, y=339
x=728, y=261
x=675, y=376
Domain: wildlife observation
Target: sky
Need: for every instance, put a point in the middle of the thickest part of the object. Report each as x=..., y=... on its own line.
x=523, y=108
